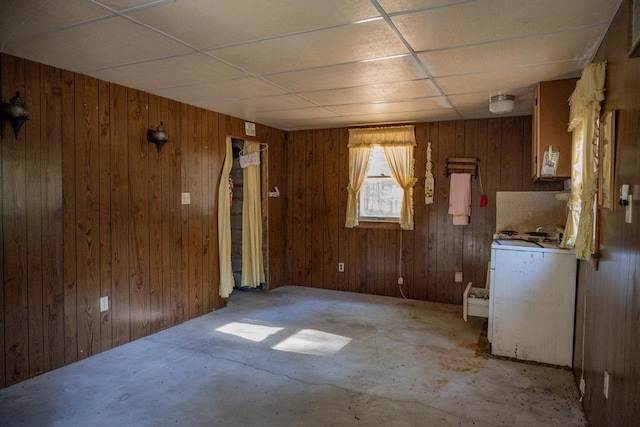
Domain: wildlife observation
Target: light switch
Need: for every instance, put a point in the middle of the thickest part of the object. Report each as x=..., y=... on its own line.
x=186, y=198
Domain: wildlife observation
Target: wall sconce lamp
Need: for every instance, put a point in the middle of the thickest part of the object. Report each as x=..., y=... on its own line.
x=158, y=136
x=501, y=104
x=15, y=112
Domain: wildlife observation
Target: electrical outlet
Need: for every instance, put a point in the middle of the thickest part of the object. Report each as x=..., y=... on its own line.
x=400, y=280
x=341, y=267
x=458, y=276
x=186, y=198
x=628, y=213
x=104, y=304
x=605, y=388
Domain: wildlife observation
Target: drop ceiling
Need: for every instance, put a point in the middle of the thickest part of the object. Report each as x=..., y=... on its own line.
x=310, y=64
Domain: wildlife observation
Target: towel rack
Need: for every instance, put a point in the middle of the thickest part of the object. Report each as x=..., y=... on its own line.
x=461, y=164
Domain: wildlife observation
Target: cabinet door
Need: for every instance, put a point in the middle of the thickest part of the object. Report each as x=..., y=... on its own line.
x=550, y=122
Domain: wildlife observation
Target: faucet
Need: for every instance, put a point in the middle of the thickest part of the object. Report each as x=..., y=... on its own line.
x=558, y=231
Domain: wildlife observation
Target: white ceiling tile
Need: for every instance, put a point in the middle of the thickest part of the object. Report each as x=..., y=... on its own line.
x=536, y=50
x=317, y=48
x=21, y=19
x=350, y=75
x=434, y=103
x=393, y=6
x=216, y=91
x=374, y=93
x=104, y=43
x=482, y=21
x=412, y=116
x=174, y=71
x=207, y=24
x=523, y=108
x=248, y=108
x=298, y=114
x=121, y=5
x=504, y=80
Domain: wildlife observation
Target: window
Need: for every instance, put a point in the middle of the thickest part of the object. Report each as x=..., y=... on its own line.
x=388, y=193
x=380, y=196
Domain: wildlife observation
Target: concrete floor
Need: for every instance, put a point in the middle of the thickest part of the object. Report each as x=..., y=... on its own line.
x=300, y=356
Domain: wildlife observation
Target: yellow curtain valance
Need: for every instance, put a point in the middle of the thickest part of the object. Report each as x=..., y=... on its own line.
x=387, y=136
x=589, y=89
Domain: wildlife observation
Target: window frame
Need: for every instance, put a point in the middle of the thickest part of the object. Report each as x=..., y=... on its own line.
x=377, y=221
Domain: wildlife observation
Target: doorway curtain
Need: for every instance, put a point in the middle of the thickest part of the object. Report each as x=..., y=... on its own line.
x=224, y=226
x=252, y=256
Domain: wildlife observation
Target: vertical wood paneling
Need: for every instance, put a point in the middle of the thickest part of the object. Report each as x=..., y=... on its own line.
x=156, y=115
x=104, y=154
x=317, y=214
x=89, y=209
x=137, y=120
x=195, y=223
x=185, y=214
x=14, y=233
x=53, y=289
x=342, y=181
x=432, y=212
x=419, y=283
x=120, y=302
x=215, y=163
x=205, y=213
x=331, y=225
x=435, y=250
x=69, y=230
x=87, y=215
x=171, y=238
x=33, y=196
x=307, y=210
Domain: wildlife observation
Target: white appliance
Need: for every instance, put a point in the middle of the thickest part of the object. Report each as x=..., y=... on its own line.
x=532, y=304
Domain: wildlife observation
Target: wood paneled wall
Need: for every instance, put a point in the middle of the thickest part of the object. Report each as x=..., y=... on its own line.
x=314, y=204
x=90, y=209
x=610, y=296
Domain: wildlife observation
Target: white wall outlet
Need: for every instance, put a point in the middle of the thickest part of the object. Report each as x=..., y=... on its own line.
x=341, y=267
x=605, y=388
x=104, y=304
x=186, y=198
x=458, y=277
x=400, y=280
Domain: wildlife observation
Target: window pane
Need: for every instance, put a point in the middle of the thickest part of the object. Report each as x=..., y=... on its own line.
x=380, y=198
x=378, y=163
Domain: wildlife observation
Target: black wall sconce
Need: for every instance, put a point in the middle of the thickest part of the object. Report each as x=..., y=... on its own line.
x=158, y=136
x=15, y=112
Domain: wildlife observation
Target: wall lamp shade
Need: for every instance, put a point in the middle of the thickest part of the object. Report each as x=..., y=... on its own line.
x=15, y=112
x=501, y=104
x=158, y=136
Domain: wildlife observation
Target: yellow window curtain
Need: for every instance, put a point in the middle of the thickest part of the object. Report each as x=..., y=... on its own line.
x=358, y=165
x=224, y=226
x=583, y=119
x=252, y=257
x=361, y=141
x=400, y=161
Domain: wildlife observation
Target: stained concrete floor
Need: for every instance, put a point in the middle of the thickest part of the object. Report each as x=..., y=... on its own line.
x=300, y=356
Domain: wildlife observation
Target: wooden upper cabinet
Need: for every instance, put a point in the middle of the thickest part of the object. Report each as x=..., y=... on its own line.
x=550, y=122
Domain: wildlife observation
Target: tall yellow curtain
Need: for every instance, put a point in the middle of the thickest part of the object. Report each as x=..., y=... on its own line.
x=400, y=161
x=583, y=118
x=358, y=165
x=252, y=256
x=361, y=142
x=224, y=226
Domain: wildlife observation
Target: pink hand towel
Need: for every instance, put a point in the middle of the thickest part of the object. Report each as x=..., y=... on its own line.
x=460, y=198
